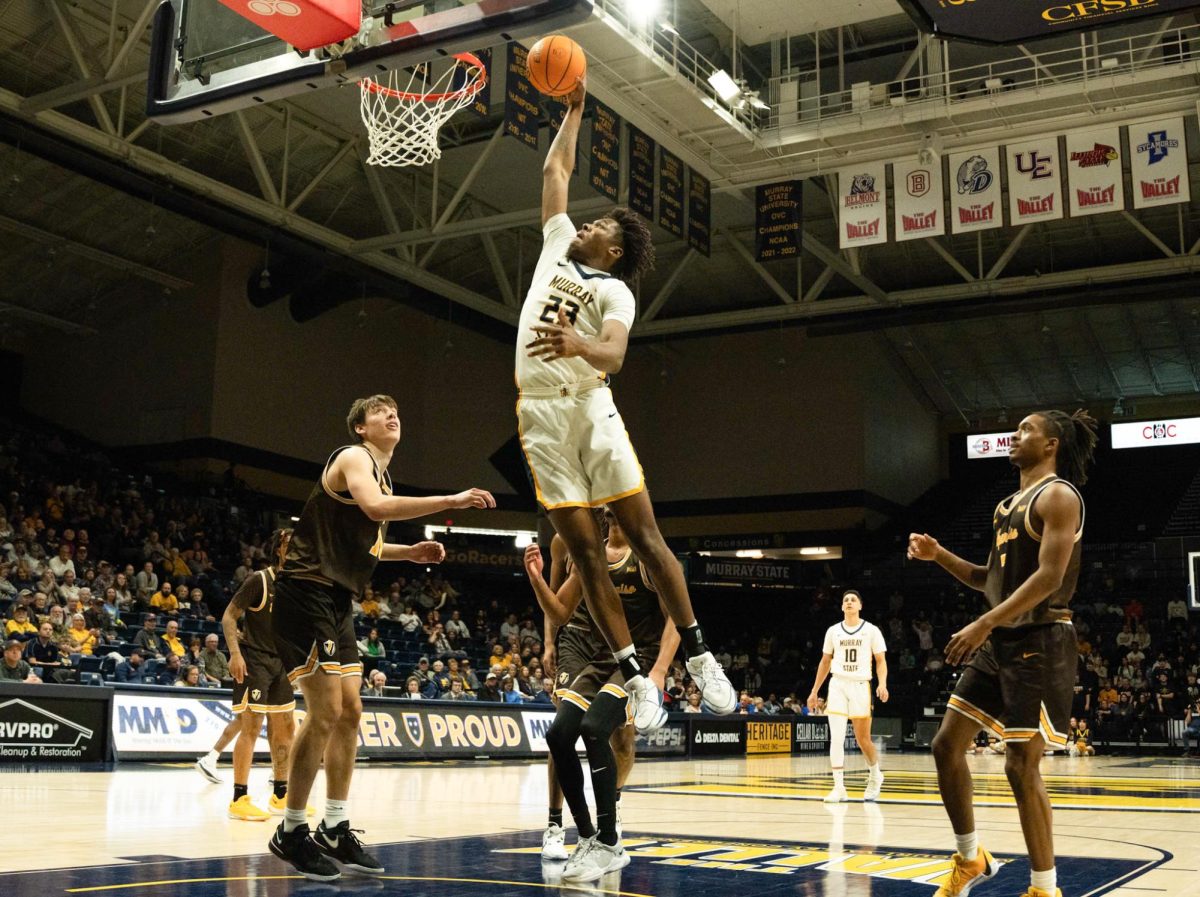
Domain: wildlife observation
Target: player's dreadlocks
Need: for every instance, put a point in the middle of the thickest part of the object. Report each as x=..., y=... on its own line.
x=271, y=550
x=1077, y=437
x=639, y=248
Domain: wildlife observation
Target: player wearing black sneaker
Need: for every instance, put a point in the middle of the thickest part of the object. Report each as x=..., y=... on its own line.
x=341, y=843
x=298, y=848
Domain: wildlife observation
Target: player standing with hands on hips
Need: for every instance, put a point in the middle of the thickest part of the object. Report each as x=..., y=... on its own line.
x=573, y=333
x=850, y=646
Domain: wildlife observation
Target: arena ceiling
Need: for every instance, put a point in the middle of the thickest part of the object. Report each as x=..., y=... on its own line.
x=95, y=198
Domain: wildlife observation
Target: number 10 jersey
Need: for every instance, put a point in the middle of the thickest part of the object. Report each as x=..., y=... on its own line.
x=853, y=650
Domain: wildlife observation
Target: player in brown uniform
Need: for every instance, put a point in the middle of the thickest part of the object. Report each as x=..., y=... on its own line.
x=592, y=701
x=1021, y=654
x=333, y=552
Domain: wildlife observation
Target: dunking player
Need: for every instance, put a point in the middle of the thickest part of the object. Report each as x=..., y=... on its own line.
x=1021, y=654
x=592, y=702
x=849, y=649
x=578, y=313
x=333, y=552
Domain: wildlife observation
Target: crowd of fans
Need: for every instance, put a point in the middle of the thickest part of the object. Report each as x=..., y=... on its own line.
x=104, y=572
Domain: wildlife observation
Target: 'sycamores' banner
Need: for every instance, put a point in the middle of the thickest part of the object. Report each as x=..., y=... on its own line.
x=920, y=207
x=1034, y=182
x=1095, y=183
x=1158, y=156
x=975, y=197
x=862, y=200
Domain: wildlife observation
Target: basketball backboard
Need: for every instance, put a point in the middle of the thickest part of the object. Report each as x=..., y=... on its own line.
x=207, y=60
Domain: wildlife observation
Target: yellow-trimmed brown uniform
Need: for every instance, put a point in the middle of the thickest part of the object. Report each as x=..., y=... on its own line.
x=331, y=557
x=266, y=688
x=585, y=663
x=1021, y=681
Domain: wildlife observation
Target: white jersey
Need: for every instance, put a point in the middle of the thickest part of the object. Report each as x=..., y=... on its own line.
x=588, y=295
x=853, y=649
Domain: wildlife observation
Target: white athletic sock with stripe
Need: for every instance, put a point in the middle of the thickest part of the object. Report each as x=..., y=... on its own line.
x=838, y=780
x=212, y=757
x=967, y=845
x=293, y=819
x=1047, y=881
x=335, y=812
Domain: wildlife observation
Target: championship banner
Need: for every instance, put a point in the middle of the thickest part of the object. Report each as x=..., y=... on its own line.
x=862, y=202
x=1034, y=184
x=1158, y=154
x=778, y=217
x=670, y=193
x=521, y=110
x=53, y=724
x=975, y=197
x=481, y=104
x=641, y=173
x=1095, y=176
x=699, y=216
x=920, y=205
x=605, y=171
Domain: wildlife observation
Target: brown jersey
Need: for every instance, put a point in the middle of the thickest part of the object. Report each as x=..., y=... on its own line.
x=639, y=599
x=334, y=542
x=256, y=622
x=1014, y=556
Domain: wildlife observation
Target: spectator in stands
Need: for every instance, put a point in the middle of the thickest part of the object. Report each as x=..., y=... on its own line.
x=370, y=604
x=61, y=562
x=213, y=665
x=125, y=596
x=169, y=669
x=165, y=601
x=422, y=671
x=440, y=679
x=545, y=694
x=509, y=693
x=924, y=632
x=412, y=689
x=409, y=619
x=488, y=691
x=189, y=677
x=371, y=650
x=132, y=669
x=14, y=668
x=456, y=692
x=172, y=643
x=470, y=680
x=457, y=630
x=83, y=640
x=200, y=608
x=148, y=638
x=58, y=621
x=42, y=650
x=20, y=627
x=1177, y=611
x=147, y=583
x=509, y=627
x=1164, y=696
x=693, y=703
x=1191, y=723
x=376, y=681
x=437, y=642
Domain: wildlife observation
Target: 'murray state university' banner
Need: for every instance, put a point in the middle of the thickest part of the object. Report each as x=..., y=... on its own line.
x=1014, y=21
x=778, y=217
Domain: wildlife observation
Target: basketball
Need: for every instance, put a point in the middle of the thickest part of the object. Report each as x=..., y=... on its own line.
x=555, y=65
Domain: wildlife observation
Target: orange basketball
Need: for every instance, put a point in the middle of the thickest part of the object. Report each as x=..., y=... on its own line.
x=555, y=65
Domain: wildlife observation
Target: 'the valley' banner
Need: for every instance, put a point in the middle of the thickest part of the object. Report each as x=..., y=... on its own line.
x=863, y=204
x=975, y=198
x=1158, y=161
x=920, y=207
x=1034, y=182
x=1094, y=172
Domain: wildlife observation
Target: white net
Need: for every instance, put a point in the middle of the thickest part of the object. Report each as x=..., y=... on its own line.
x=404, y=110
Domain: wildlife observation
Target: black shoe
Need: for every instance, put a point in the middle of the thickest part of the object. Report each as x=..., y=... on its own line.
x=298, y=848
x=342, y=844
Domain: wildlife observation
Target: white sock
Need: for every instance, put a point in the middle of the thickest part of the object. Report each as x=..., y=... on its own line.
x=874, y=769
x=335, y=812
x=212, y=757
x=1047, y=881
x=293, y=819
x=627, y=651
x=838, y=781
x=967, y=845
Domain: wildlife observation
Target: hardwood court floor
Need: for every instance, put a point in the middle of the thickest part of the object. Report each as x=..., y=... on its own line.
x=756, y=826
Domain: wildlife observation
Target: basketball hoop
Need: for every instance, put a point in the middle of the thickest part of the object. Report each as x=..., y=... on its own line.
x=403, y=123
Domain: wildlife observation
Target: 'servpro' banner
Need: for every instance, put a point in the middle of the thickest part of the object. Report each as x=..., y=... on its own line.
x=699, y=216
x=670, y=193
x=777, y=220
x=521, y=110
x=53, y=724
x=641, y=173
x=1014, y=21
x=605, y=170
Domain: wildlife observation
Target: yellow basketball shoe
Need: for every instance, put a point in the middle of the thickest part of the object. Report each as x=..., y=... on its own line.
x=243, y=809
x=279, y=804
x=966, y=874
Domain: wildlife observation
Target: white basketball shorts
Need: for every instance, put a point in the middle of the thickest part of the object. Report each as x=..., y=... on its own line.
x=576, y=446
x=849, y=697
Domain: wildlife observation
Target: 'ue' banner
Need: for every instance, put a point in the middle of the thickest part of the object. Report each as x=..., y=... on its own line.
x=1034, y=181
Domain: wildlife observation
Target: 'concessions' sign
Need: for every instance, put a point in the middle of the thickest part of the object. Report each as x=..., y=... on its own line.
x=641, y=173
x=1155, y=433
x=699, y=218
x=670, y=193
x=769, y=737
x=778, y=217
x=521, y=110
x=1009, y=21
x=47, y=727
x=989, y=445
x=744, y=572
x=606, y=151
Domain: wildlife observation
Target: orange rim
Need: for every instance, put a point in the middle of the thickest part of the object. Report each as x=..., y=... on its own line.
x=469, y=59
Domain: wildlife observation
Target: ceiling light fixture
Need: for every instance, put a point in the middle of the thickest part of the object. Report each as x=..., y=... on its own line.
x=726, y=88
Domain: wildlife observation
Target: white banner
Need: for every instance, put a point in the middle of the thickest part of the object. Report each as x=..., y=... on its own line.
x=1158, y=155
x=975, y=196
x=863, y=205
x=920, y=204
x=1034, y=182
x=171, y=724
x=1094, y=172
x=989, y=445
x=1156, y=433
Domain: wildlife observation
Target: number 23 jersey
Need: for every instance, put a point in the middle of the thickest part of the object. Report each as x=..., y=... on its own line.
x=589, y=297
x=853, y=649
